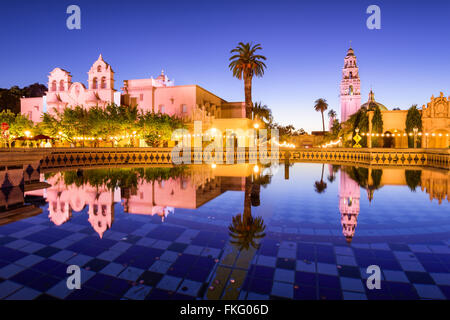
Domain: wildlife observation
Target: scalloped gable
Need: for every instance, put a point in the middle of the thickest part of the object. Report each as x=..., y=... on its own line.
x=105, y=66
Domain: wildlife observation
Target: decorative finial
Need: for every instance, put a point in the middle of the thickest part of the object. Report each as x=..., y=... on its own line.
x=162, y=72
x=100, y=57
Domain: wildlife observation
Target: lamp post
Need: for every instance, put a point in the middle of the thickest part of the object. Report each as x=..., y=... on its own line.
x=415, y=136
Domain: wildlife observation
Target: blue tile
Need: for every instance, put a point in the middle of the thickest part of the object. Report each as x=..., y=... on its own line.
x=169, y=283
x=138, y=292
x=131, y=273
x=352, y=284
x=112, y=269
x=24, y=294
x=429, y=291
x=8, y=287
x=282, y=289
x=190, y=288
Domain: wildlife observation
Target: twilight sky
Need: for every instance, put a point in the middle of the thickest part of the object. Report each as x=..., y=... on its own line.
x=305, y=42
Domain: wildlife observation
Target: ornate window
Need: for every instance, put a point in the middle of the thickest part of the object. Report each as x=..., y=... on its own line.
x=94, y=83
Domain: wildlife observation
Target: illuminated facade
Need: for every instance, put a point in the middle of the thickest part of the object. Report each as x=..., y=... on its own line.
x=350, y=90
x=189, y=102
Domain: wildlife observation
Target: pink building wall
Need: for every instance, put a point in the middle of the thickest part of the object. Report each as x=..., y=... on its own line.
x=189, y=102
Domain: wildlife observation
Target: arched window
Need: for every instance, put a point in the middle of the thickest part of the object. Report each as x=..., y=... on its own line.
x=350, y=90
x=350, y=75
x=94, y=83
x=99, y=69
x=103, y=83
x=54, y=85
x=61, y=85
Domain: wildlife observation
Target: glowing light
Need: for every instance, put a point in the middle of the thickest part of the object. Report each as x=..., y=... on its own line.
x=256, y=169
x=331, y=143
x=213, y=165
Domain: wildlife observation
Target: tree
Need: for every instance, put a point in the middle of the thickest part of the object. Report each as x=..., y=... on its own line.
x=245, y=64
x=358, y=120
x=377, y=125
x=321, y=105
x=18, y=124
x=244, y=228
x=413, y=179
x=413, y=120
x=332, y=114
x=10, y=98
x=263, y=113
x=320, y=186
x=157, y=128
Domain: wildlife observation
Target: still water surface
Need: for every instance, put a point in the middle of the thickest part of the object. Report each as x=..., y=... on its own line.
x=302, y=231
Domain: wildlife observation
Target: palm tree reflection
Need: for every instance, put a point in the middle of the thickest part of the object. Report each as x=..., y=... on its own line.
x=245, y=230
x=320, y=186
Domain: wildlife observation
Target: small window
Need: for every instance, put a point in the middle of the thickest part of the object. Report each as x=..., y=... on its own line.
x=99, y=69
x=103, y=83
x=94, y=83
x=162, y=109
x=141, y=97
x=61, y=85
x=184, y=108
x=54, y=85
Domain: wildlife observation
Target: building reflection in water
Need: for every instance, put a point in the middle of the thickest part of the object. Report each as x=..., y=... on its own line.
x=436, y=183
x=160, y=191
x=151, y=191
x=15, y=179
x=349, y=195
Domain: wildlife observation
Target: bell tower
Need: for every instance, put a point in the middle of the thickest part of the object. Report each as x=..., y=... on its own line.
x=349, y=195
x=350, y=87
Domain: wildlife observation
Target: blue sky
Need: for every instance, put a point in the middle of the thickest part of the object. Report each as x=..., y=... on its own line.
x=305, y=42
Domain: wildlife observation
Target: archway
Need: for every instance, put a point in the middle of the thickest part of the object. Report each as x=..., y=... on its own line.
x=388, y=140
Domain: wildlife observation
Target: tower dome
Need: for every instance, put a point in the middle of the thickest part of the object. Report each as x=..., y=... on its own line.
x=371, y=104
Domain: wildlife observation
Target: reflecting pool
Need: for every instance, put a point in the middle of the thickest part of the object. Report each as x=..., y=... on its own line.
x=296, y=231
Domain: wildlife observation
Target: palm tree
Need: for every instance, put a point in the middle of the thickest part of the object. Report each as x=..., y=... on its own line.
x=320, y=186
x=244, y=228
x=245, y=64
x=321, y=105
x=262, y=112
x=332, y=114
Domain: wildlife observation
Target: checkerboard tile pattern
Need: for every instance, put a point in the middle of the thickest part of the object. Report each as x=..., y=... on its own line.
x=285, y=269
x=135, y=261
